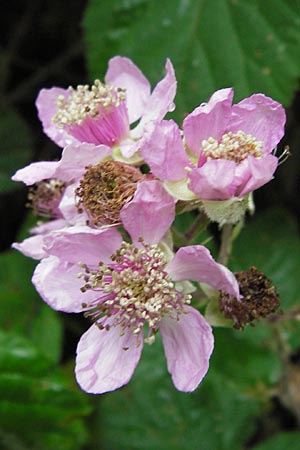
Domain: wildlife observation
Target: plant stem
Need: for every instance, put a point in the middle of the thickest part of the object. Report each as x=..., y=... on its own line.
x=226, y=243
x=199, y=224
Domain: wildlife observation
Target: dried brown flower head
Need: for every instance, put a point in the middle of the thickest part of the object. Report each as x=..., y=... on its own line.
x=44, y=197
x=259, y=298
x=105, y=188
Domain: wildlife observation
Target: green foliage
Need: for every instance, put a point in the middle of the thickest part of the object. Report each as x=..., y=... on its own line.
x=149, y=413
x=252, y=45
x=16, y=143
x=38, y=407
x=281, y=441
x=270, y=241
x=21, y=307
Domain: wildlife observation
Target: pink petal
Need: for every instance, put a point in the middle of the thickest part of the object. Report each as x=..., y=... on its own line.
x=58, y=284
x=150, y=214
x=123, y=73
x=105, y=360
x=35, y=172
x=195, y=263
x=69, y=210
x=261, y=117
x=188, y=344
x=161, y=99
x=32, y=247
x=76, y=157
x=215, y=180
x=45, y=227
x=208, y=120
x=128, y=147
x=109, y=128
x=83, y=244
x=46, y=105
x=68, y=207
x=71, y=166
x=261, y=171
x=164, y=152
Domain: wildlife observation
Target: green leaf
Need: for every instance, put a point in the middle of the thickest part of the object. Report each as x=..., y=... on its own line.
x=38, y=407
x=281, y=441
x=21, y=307
x=16, y=146
x=252, y=45
x=149, y=413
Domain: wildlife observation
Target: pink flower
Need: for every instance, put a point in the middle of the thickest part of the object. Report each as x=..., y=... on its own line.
x=103, y=113
x=226, y=151
x=69, y=170
x=128, y=289
x=88, y=171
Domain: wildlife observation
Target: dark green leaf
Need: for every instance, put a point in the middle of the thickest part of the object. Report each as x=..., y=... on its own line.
x=21, y=307
x=38, y=407
x=149, y=413
x=281, y=441
x=15, y=146
x=270, y=241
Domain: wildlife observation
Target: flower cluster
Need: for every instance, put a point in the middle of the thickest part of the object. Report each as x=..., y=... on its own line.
x=106, y=248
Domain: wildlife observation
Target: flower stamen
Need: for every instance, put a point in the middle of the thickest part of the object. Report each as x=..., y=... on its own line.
x=86, y=101
x=105, y=188
x=233, y=146
x=135, y=290
x=45, y=196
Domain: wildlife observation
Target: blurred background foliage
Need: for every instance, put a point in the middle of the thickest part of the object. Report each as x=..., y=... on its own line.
x=250, y=398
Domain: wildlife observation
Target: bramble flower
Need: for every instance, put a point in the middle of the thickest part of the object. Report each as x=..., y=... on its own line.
x=93, y=194
x=131, y=291
x=226, y=152
x=94, y=186
x=102, y=113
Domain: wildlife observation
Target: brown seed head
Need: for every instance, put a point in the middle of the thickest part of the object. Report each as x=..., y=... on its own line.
x=45, y=196
x=105, y=189
x=259, y=298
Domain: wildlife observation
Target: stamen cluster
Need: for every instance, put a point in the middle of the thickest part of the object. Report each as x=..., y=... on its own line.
x=233, y=146
x=105, y=188
x=86, y=101
x=135, y=289
x=45, y=196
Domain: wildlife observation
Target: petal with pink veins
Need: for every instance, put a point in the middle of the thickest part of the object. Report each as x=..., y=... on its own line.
x=260, y=116
x=195, y=263
x=32, y=247
x=75, y=158
x=123, y=73
x=208, y=120
x=150, y=214
x=188, y=345
x=83, y=244
x=46, y=227
x=164, y=152
x=215, y=180
x=106, y=360
x=46, y=104
x=160, y=101
x=58, y=284
x=68, y=207
x=261, y=170
x=35, y=172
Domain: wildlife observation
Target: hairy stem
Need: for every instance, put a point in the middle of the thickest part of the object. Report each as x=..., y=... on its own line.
x=226, y=243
